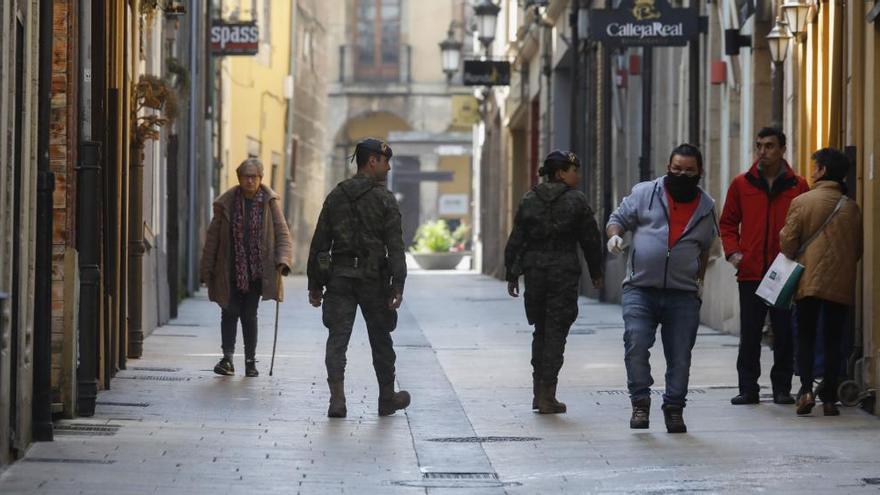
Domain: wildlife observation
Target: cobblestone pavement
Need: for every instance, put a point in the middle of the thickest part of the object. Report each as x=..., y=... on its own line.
x=170, y=426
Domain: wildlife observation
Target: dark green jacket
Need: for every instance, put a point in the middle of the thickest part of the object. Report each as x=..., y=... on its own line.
x=360, y=218
x=551, y=222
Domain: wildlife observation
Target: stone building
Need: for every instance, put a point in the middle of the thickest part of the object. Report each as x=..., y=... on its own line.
x=387, y=82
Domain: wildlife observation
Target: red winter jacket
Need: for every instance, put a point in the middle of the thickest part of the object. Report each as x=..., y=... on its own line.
x=753, y=216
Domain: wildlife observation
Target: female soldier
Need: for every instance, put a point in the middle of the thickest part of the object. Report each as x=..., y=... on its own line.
x=552, y=220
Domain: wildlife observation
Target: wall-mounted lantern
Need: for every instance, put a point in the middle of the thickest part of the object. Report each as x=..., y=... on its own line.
x=450, y=49
x=486, y=13
x=796, y=13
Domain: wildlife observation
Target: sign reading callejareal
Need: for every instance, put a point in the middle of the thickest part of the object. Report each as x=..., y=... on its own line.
x=235, y=38
x=644, y=23
x=486, y=73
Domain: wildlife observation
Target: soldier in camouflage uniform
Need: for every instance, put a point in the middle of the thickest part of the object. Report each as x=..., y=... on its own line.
x=357, y=254
x=553, y=219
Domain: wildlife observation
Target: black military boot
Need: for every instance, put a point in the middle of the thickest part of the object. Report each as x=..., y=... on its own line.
x=641, y=414
x=391, y=401
x=337, y=399
x=547, y=403
x=674, y=419
x=536, y=392
x=250, y=368
x=224, y=366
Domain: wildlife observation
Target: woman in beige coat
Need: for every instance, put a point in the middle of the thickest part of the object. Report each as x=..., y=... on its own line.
x=827, y=285
x=247, y=249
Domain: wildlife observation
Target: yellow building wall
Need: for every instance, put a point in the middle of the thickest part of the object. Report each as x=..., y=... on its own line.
x=255, y=105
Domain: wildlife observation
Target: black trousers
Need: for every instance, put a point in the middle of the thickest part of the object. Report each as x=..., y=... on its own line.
x=752, y=313
x=242, y=306
x=833, y=319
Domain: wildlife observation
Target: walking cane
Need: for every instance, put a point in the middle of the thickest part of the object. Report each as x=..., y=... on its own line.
x=278, y=297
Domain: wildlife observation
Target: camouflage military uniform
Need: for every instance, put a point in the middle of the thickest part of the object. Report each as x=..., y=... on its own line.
x=552, y=220
x=360, y=227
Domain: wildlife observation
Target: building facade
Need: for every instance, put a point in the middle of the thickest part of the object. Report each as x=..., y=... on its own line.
x=19, y=66
x=90, y=196
x=387, y=82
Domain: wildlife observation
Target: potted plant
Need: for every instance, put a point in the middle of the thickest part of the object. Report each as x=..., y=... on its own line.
x=436, y=248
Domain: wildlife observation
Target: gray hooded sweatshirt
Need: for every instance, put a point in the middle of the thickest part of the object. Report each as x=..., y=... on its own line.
x=652, y=264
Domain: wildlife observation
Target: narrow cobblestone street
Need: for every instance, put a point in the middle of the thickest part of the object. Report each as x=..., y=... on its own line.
x=169, y=425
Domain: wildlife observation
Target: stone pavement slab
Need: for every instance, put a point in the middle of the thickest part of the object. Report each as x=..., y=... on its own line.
x=170, y=426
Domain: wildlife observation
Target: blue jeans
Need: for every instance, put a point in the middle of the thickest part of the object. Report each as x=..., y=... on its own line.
x=678, y=314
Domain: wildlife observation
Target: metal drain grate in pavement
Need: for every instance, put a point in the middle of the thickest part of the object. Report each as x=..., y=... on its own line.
x=58, y=460
x=461, y=476
x=123, y=404
x=158, y=378
x=154, y=368
x=483, y=439
x=85, y=429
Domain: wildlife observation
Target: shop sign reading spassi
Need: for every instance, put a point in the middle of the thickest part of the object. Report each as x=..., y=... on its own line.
x=235, y=38
x=644, y=23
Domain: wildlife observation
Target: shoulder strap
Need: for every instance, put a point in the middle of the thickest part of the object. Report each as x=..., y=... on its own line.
x=813, y=237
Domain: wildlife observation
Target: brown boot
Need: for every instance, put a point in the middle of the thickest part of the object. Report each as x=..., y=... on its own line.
x=830, y=409
x=337, y=400
x=536, y=392
x=547, y=403
x=674, y=419
x=805, y=402
x=391, y=401
x=641, y=414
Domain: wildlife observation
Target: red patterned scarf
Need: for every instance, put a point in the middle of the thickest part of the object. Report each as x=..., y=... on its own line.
x=248, y=259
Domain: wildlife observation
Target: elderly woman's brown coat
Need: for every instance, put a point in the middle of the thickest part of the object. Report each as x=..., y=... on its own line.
x=830, y=260
x=217, y=255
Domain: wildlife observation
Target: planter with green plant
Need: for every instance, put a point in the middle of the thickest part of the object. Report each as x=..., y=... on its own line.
x=436, y=248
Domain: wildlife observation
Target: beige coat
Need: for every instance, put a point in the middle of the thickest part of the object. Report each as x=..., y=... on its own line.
x=830, y=260
x=217, y=255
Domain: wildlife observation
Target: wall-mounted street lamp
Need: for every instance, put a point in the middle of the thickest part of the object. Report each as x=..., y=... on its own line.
x=779, y=40
x=797, y=13
x=450, y=50
x=486, y=13
x=583, y=21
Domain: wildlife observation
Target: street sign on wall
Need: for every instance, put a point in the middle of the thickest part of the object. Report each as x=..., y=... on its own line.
x=486, y=73
x=234, y=38
x=644, y=23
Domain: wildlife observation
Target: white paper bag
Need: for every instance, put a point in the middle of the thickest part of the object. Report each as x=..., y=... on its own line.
x=778, y=286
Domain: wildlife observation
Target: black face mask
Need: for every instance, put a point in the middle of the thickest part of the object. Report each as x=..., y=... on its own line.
x=682, y=188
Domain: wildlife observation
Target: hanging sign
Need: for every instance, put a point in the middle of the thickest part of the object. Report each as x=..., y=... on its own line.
x=486, y=73
x=644, y=23
x=234, y=38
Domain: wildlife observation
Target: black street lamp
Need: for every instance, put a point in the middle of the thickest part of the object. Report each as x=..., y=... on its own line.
x=778, y=40
x=486, y=13
x=450, y=49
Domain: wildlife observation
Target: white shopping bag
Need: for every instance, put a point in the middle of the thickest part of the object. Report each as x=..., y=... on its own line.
x=778, y=286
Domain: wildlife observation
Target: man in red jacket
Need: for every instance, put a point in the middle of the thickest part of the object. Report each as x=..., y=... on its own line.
x=753, y=215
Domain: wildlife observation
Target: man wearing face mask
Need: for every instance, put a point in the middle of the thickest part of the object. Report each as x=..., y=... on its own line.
x=754, y=212
x=672, y=221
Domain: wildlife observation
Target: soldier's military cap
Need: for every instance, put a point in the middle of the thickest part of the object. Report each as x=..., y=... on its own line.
x=561, y=156
x=374, y=145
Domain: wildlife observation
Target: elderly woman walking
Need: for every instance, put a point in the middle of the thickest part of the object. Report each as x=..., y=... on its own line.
x=823, y=232
x=247, y=249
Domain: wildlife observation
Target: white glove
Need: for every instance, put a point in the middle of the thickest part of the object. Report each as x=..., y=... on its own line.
x=615, y=245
